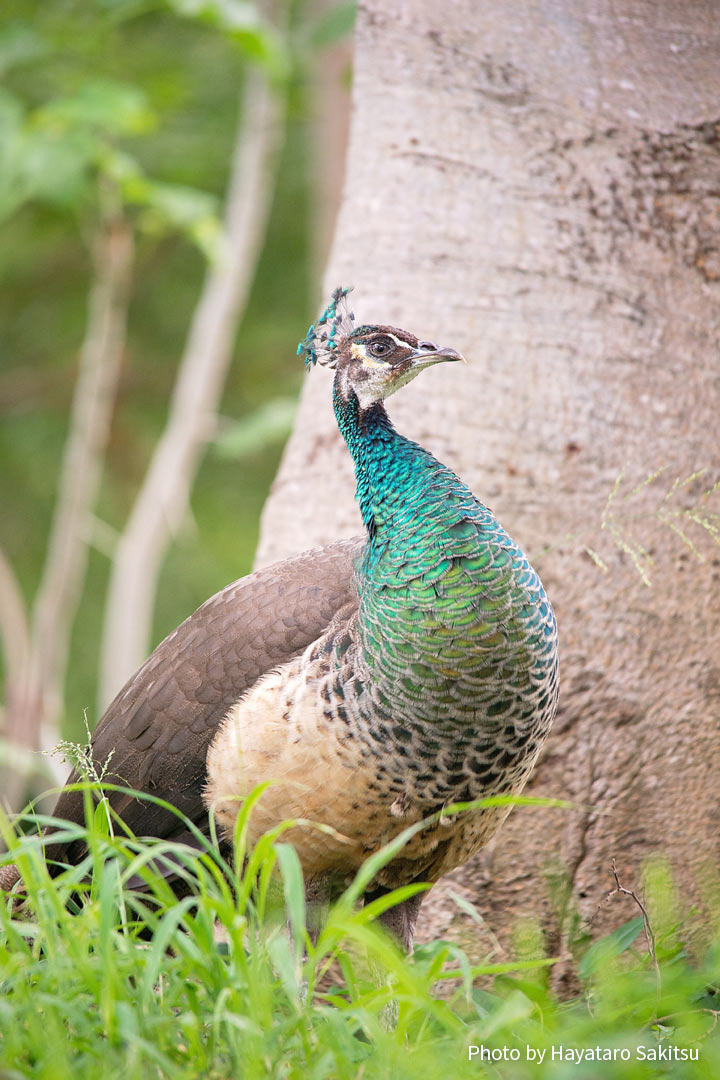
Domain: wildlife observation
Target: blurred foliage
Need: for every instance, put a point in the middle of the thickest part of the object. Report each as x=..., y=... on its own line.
x=143, y=94
x=84, y=992
x=267, y=424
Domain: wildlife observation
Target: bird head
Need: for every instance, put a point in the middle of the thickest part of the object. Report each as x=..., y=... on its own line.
x=370, y=361
x=375, y=361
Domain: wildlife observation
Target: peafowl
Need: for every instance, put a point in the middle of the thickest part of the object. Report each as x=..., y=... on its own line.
x=377, y=680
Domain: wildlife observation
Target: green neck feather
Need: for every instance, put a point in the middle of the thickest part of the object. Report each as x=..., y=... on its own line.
x=455, y=631
x=391, y=472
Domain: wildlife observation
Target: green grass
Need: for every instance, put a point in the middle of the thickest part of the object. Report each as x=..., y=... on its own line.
x=85, y=991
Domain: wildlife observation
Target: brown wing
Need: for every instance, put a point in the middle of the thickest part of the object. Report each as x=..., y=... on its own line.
x=160, y=725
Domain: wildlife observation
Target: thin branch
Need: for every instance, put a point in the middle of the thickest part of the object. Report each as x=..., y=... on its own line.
x=15, y=635
x=714, y=1013
x=36, y=698
x=647, y=926
x=163, y=499
x=14, y=626
x=94, y=399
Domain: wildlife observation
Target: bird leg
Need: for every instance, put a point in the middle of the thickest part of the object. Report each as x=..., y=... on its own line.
x=399, y=921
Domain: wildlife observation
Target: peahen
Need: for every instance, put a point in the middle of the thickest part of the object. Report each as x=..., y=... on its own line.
x=377, y=680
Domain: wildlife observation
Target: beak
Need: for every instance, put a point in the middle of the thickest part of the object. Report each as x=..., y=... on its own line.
x=425, y=355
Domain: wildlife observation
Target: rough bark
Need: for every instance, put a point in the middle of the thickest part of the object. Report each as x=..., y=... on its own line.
x=537, y=185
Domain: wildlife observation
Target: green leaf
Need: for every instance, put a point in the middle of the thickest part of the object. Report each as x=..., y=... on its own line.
x=11, y=117
x=241, y=21
x=38, y=165
x=120, y=166
x=514, y=1008
x=52, y=155
x=120, y=10
x=179, y=205
x=103, y=106
x=604, y=949
x=485, y=1002
x=19, y=44
x=264, y=426
x=285, y=964
x=173, y=206
x=226, y=14
x=294, y=891
x=333, y=25
x=101, y=822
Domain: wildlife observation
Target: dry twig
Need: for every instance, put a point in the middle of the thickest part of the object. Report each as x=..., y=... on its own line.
x=647, y=926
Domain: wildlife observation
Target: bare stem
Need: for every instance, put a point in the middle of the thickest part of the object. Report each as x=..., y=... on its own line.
x=163, y=499
x=647, y=926
x=14, y=627
x=15, y=637
x=37, y=692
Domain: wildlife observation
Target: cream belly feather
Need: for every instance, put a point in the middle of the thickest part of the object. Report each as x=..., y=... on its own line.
x=285, y=732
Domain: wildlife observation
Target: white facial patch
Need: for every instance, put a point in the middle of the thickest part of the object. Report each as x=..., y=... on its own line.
x=399, y=341
x=377, y=384
x=359, y=352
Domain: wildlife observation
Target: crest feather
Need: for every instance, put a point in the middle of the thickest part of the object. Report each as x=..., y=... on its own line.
x=324, y=336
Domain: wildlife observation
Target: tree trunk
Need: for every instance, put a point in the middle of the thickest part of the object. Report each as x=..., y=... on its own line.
x=537, y=185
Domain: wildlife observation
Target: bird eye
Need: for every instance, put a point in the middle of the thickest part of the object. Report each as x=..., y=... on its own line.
x=378, y=348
